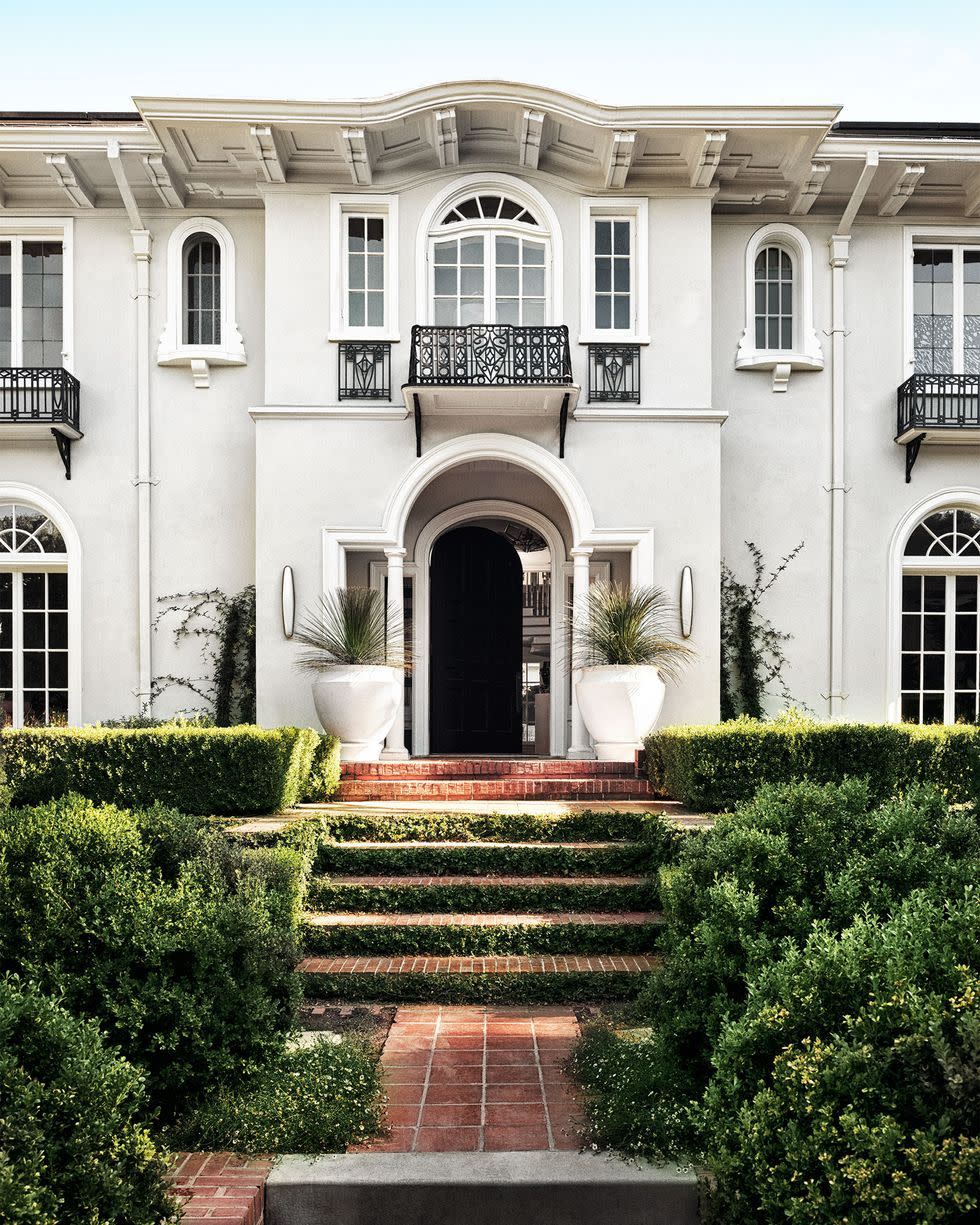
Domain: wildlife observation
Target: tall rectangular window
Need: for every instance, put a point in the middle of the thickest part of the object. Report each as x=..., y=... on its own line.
x=612, y=254
x=31, y=302
x=946, y=310
x=365, y=271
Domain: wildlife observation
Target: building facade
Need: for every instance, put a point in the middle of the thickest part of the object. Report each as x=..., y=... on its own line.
x=476, y=346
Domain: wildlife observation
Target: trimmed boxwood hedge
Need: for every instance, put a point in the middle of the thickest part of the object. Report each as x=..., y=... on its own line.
x=474, y=988
x=203, y=770
x=713, y=768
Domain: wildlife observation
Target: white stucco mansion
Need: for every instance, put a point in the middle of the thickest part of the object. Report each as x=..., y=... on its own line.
x=476, y=344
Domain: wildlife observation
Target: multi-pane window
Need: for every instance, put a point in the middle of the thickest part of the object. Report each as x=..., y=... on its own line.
x=202, y=290
x=31, y=302
x=365, y=237
x=489, y=273
x=940, y=642
x=946, y=310
x=612, y=242
x=33, y=619
x=773, y=299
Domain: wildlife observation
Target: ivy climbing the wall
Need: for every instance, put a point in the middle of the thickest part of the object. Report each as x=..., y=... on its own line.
x=225, y=628
x=753, y=660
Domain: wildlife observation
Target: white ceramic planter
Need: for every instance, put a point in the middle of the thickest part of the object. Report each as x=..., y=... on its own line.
x=358, y=703
x=620, y=704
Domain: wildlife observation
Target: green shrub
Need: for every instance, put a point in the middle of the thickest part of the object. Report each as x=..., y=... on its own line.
x=71, y=1145
x=196, y=769
x=181, y=945
x=738, y=896
x=324, y=776
x=714, y=768
x=850, y=1088
x=317, y=1100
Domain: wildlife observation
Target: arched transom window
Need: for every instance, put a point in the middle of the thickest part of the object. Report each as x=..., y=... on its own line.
x=33, y=618
x=940, y=669
x=773, y=299
x=489, y=262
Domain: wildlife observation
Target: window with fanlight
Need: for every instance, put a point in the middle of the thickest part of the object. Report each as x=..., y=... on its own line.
x=940, y=634
x=34, y=648
x=489, y=260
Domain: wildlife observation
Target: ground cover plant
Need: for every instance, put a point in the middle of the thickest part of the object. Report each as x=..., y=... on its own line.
x=741, y=897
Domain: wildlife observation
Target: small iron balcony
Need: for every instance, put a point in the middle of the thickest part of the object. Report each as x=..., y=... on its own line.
x=38, y=401
x=490, y=368
x=942, y=408
x=614, y=374
x=365, y=370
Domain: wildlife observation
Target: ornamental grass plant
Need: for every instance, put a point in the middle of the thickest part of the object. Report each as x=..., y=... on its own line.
x=629, y=626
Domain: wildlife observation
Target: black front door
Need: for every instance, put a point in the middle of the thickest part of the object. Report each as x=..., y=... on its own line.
x=475, y=644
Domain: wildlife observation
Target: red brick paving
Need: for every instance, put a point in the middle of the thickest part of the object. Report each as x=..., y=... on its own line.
x=472, y=1079
x=221, y=1187
x=486, y=767
x=528, y=787
x=548, y=919
x=598, y=963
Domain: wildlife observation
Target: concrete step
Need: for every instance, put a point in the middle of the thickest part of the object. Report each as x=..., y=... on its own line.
x=537, y=787
x=549, y=1188
x=487, y=767
x=637, y=918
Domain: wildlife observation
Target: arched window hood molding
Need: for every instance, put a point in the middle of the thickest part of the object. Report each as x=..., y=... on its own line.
x=172, y=351
x=806, y=353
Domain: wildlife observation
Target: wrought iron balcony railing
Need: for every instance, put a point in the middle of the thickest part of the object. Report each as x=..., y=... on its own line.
x=365, y=370
x=937, y=407
x=614, y=374
x=42, y=397
x=489, y=355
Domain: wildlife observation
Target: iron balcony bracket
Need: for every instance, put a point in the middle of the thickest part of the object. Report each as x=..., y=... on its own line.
x=64, y=450
x=418, y=425
x=563, y=424
x=911, y=455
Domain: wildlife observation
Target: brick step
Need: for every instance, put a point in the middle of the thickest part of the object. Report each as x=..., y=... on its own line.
x=565, y=963
x=552, y=787
x=638, y=918
x=452, y=935
x=486, y=767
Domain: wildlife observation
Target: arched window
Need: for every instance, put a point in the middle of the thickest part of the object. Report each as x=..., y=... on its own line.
x=34, y=614
x=774, y=299
x=202, y=290
x=940, y=633
x=779, y=333
x=489, y=259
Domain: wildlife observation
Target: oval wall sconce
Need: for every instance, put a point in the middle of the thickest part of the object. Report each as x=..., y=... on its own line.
x=288, y=602
x=687, y=602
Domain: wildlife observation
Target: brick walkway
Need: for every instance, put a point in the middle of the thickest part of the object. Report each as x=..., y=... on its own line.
x=479, y=1080
x=221, y=1187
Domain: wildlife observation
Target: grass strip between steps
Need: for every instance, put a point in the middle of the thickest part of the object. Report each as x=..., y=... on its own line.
x=474, y=988
x=476, y=859
x=478, y=940
x=326, y=894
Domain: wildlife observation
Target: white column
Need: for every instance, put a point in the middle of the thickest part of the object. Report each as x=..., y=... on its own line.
x=395, y=743
x=580, y=747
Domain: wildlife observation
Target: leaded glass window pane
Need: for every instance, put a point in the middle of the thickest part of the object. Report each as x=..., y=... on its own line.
x=202, y=290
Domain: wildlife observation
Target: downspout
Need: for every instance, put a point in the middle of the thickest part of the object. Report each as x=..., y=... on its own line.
x=840, y=244
x=142, y=245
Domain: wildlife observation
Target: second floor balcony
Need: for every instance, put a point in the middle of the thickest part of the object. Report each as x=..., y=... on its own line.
x=491, y=368
x=40, y=402
x=937, y=408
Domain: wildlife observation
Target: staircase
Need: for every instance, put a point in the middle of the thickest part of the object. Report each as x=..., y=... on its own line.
x=474, y=908
x=482, y=779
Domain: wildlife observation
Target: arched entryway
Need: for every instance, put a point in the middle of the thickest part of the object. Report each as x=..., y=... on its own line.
x=475, y=634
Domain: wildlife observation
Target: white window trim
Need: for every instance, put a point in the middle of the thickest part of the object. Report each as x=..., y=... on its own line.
x=928, y=236
x=958, y=498
x=172, y=351
x=71, y=560
x=60, y=229
x=364, y=206
x=634, y=209
x=806, y=353
x=489, y=184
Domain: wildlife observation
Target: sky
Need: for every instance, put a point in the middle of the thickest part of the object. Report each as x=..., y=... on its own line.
x=886, y=61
